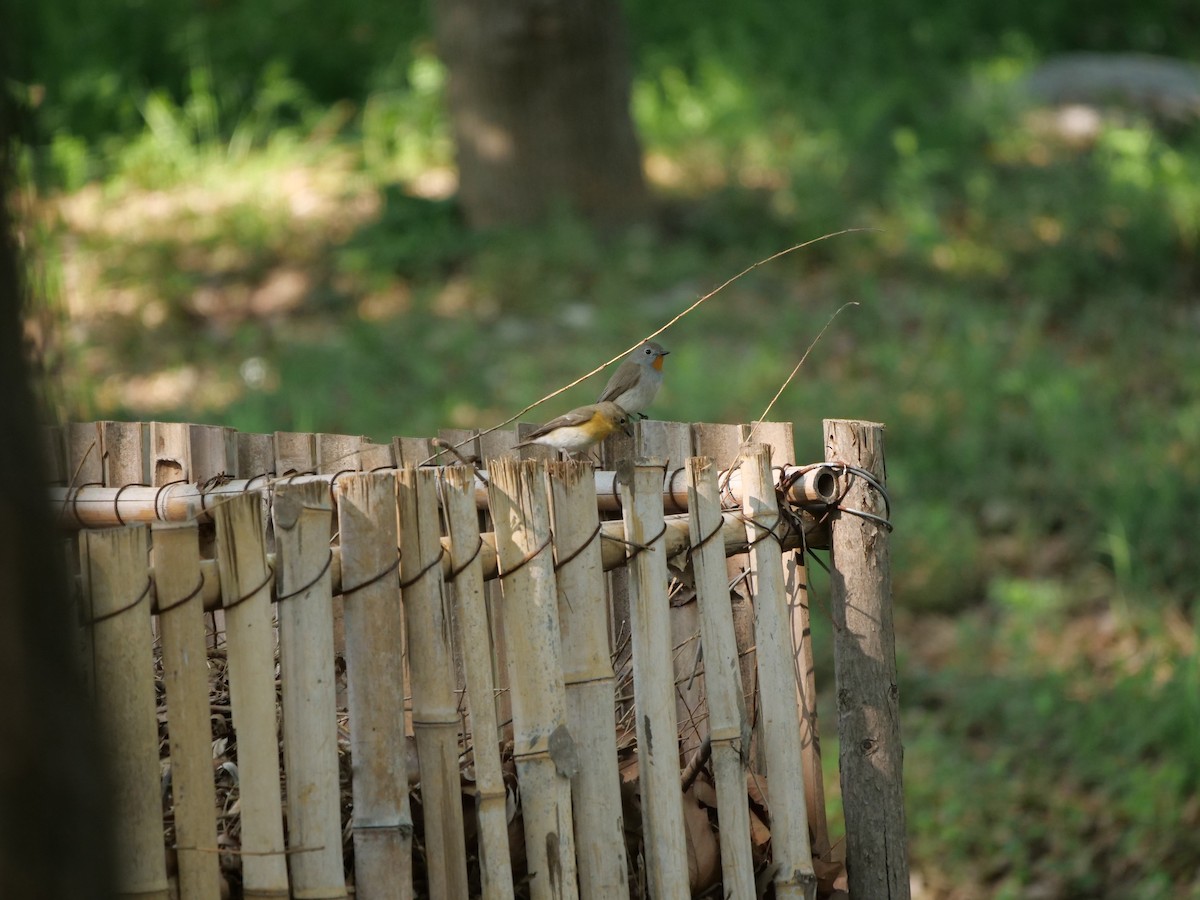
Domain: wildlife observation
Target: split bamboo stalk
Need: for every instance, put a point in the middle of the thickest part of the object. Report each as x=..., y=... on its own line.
x=435, y=714
x=84, y=453
x=871, y=755
x=462, y=524
x=94, y=506
x=590, y=683
x=185, y=677
x=306, y=664
x=729, y=727
x=778, y=435
x=382, y=824
x=116, y=592
x=338, y=455
x=654, y=681
x=543, y=747
x=672, y=441
x=250, y=641
x=722, y=444
x=497, y=445
x=122, y=453
x=790, y=848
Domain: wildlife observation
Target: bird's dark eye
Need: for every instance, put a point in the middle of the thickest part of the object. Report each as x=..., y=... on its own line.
x=648, y=351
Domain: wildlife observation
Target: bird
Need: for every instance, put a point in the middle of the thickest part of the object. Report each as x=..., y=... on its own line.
x=580, y=428
x=637, y=379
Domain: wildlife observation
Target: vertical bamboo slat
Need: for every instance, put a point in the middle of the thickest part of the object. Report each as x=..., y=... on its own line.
x=790, y=848
x=542, y=744
x=498, y=445
x=721, y=443
x=778, y=435
x=640, y=487
x=84, y=453
x=871, y=755
x=672, y=442
x=435, y=714
x=382, y=824
x=729, y=727
x=590, y=682
x=185, y=677
x=302, y=524
x=117, y=603
x=462, y=521
x=246, y=594
x=122, y=453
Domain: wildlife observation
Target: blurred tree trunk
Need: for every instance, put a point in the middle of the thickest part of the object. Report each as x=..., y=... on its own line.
x=539, y=99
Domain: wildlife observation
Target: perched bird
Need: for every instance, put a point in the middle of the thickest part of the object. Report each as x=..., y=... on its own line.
x=580, y=428
x=637, y=379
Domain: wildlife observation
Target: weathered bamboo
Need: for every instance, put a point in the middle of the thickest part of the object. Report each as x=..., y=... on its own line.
x=654, y=681
x=590, y=683
x=306, y=664
x=672, y=441
x=382, y=823
x=544, y=749
x=474, y=636
x=176, y=557
x=116, y=591
x=435, y=715
x=245, y=582
x=778, y=435
x=790, y=848
x=871, y=756
x=85, y=505
x=612, y=552
x=122, y=452
x=729, y=727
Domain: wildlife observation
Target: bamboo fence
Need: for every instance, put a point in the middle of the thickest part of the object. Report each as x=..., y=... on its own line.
x=330, y=667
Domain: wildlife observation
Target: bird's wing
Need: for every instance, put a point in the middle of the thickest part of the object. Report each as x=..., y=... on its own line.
x=566, y=420
x=623, y=379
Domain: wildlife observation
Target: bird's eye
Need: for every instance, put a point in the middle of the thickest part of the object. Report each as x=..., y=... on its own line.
x=648, y=351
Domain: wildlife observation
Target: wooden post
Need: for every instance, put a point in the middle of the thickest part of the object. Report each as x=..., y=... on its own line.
x=868, y=703
x=729, y=729
x=306, y=664
x=471, y=618
x=435, y=714
x=117, y=604
x=185, y=677
x=250, y=636
x=590, y=683
x=382, y=823
x=790, y=848
x=542, y=744
x=654, y=680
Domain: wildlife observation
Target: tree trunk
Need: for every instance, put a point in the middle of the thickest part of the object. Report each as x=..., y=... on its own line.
x=539, y=98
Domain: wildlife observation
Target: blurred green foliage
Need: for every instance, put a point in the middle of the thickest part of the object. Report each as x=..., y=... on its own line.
x=236, y=188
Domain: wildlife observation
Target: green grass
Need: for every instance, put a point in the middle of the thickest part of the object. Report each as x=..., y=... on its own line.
x=246, y=236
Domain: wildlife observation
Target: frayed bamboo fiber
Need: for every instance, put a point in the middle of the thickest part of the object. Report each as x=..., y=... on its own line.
x=306, y=664
x=475, y=639
x=654, y=682
x=543, y=746
x=382, y=824
x=115, y=605
x=245, y=584
x=860, y=604
x=790, y=848
x=729, y=728
x=176, y=557
x=96, y=506
x=428, y=621
x=590, y=683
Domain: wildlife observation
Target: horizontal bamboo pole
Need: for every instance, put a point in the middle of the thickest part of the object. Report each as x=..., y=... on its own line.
x=612, y=549
x=94, y=506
